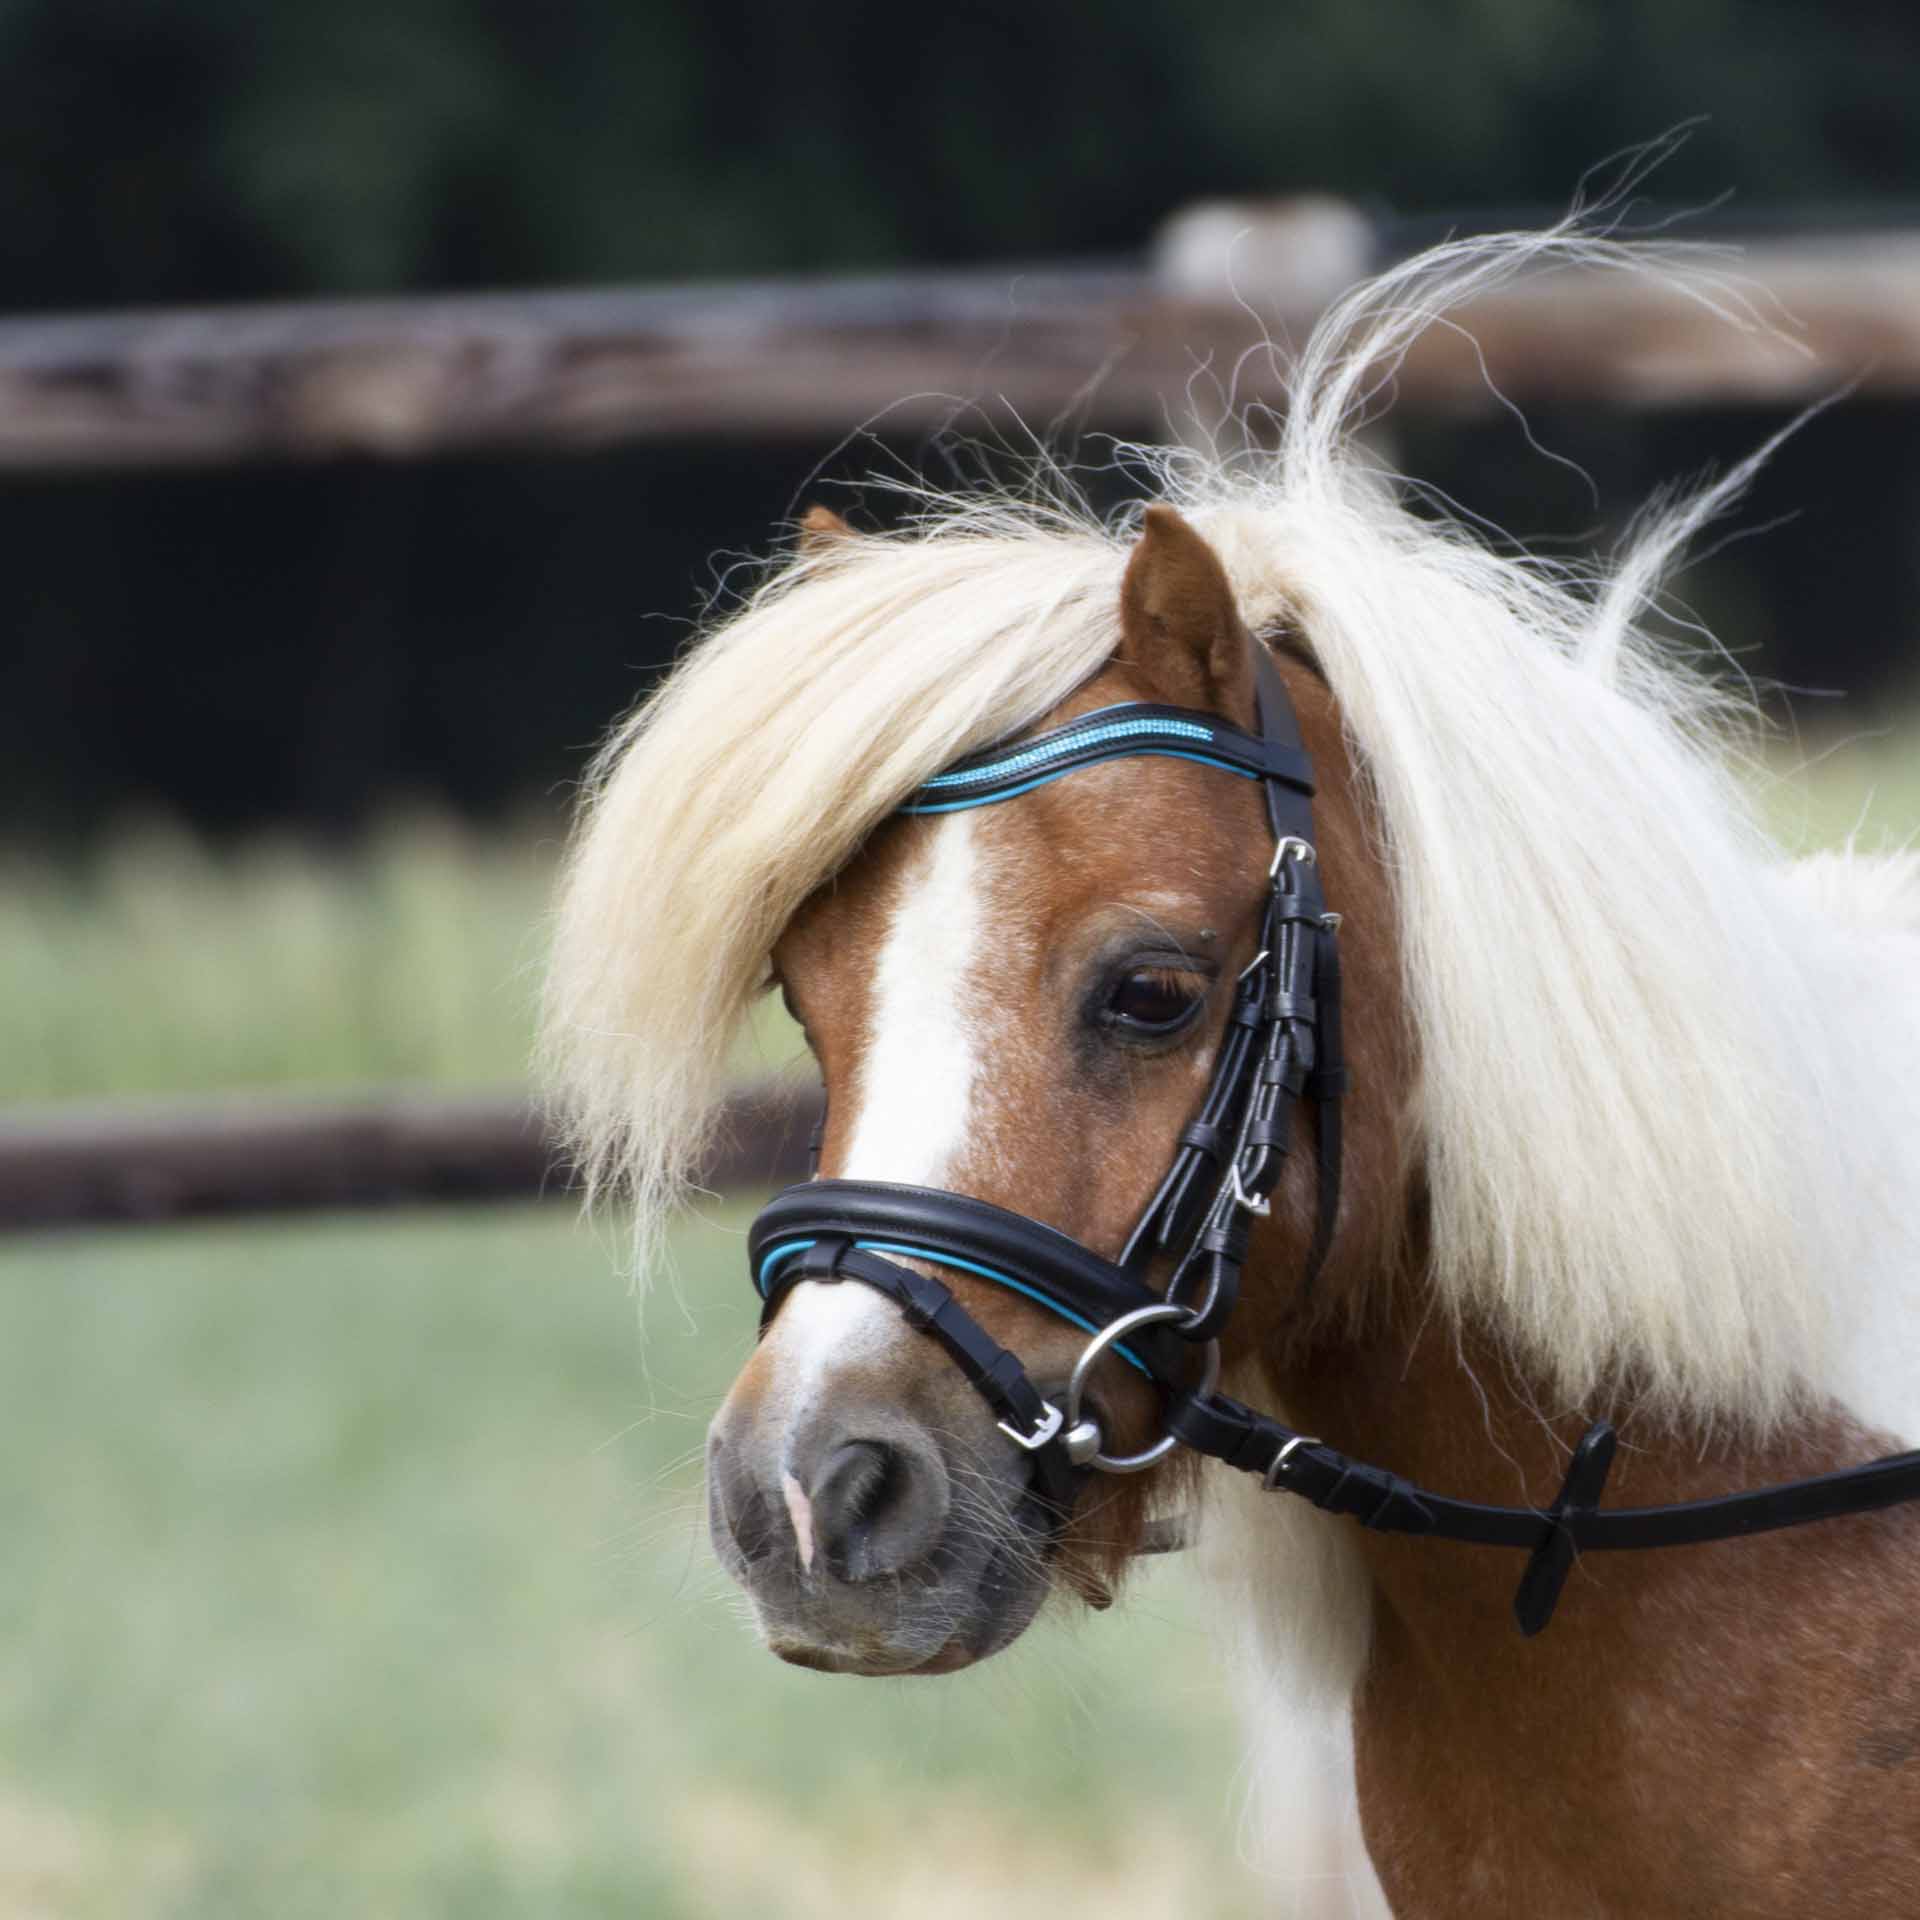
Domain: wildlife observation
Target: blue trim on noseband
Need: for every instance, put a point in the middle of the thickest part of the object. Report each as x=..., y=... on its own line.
x=788, y=1248
x=1060, y=773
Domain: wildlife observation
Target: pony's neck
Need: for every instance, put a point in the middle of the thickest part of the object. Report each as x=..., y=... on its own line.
x=1679, y=1668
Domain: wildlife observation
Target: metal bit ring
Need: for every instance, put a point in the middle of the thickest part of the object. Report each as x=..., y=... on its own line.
x=1077, y=1383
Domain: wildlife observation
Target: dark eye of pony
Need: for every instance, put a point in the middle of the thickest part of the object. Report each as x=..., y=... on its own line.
x=1153, y=1000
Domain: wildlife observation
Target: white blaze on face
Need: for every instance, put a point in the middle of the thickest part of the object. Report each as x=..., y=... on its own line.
x=914, y=1093
x=916, y=1081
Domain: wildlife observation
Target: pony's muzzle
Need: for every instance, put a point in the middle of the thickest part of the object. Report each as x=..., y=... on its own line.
x=873, y=1536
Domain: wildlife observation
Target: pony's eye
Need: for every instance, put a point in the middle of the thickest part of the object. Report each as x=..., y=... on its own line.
x=1154, y=1000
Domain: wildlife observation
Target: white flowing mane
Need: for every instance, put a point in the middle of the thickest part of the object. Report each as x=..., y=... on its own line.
x=1628, y=1101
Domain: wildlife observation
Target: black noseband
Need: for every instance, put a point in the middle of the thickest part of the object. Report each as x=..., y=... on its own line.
x=967, y=1235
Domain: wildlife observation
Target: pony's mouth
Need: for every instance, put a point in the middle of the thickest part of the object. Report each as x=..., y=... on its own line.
x=983, y=1600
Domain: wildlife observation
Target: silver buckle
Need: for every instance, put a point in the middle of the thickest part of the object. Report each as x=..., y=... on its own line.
x=1291, y=846
x=1271, y=1478
x=1051, y=1421
x=1242, y=1198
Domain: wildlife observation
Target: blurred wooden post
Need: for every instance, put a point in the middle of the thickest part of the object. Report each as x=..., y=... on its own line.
x=137, y=1163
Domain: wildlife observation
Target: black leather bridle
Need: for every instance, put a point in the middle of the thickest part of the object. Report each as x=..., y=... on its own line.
x=1282, y=1046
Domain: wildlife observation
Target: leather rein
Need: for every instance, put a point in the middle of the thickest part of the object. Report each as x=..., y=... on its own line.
x=1282, y=1046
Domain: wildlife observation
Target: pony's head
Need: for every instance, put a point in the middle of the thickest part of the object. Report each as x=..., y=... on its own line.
x=1548, y=900
x=1021, y=1004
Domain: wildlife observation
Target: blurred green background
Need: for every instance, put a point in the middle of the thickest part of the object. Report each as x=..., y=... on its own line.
x=355, y=1565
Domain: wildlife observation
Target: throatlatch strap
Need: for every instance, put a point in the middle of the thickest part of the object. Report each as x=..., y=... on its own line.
x=1326, y=1087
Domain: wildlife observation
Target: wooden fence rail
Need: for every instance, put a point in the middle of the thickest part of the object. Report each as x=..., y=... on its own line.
x=1125, y=344
x=132, y=1163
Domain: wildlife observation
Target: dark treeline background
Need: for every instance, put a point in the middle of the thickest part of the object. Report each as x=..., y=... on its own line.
x=310, y=642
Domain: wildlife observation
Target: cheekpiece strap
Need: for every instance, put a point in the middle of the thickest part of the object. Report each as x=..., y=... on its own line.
x=1282, y=1044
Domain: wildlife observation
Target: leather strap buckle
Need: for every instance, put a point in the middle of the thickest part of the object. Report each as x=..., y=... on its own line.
x=1271, y=1478
x=1291, y=847
x=1256, y=1204
x=1051, y=1421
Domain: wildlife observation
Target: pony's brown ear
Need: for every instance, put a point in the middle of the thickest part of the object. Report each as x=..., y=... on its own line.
x=822, y=530
x=1179, y=626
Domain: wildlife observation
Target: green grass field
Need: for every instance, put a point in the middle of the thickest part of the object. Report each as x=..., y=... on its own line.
x=160, y=967
x=355, y=1566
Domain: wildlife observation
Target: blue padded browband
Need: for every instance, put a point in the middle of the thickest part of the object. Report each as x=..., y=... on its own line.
x=1110, y=733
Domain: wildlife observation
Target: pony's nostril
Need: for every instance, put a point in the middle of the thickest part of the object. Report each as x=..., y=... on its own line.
x=873, y=1510
x=850, y=1493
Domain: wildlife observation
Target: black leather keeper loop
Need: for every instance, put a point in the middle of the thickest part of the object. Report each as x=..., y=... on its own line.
x=1552, y=1560
x=923, y=1306
x=821, y=1261
x=1005, y=1377
x=1212, y=1141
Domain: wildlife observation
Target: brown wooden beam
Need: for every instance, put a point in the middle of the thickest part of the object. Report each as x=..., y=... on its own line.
x=404, y=378
x=1134, y=346
x=133, y=1163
